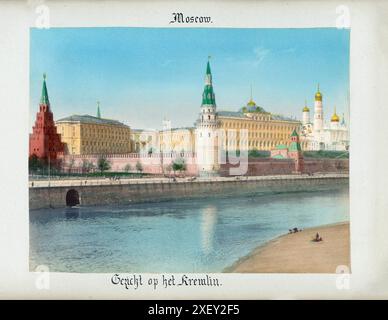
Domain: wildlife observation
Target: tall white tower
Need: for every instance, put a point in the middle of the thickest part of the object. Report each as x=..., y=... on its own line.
x=206, y=130
x=318, y=111
x=306, y=114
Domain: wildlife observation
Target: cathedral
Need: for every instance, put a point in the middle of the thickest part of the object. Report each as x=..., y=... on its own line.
x=333, y=136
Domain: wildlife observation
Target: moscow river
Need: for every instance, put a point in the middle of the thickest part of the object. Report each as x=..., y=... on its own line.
x=201, y=235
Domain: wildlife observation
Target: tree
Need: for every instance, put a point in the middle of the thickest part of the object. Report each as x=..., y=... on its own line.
x=103, y=164
x=139, y=167
x=34, y=163
x=258, y=154
x=127, y=167
x=179, y=165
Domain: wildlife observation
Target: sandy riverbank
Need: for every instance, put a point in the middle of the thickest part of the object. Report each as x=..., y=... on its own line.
x=297, y=253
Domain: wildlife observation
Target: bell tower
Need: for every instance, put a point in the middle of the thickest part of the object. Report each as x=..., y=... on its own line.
x=318, y=111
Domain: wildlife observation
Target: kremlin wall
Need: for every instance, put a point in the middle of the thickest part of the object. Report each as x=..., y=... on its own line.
x=72, y=141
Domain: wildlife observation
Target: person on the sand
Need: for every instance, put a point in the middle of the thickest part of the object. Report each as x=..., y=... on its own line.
x=317, y=238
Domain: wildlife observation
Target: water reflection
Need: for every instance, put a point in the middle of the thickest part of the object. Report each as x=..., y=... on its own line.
x=72, y=213
x=181, y=236
x=209, y=220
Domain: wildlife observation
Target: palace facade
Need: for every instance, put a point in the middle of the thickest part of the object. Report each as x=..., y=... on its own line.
x=85, y=134
x=264, y=130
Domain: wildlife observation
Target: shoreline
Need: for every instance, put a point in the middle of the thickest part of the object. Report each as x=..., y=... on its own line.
x=297, y=253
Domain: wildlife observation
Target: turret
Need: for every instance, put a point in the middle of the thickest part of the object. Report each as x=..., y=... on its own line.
x=206, y=129
x=295, y=152
x=45, y=143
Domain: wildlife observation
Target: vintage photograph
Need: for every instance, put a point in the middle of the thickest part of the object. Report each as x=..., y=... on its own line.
x=189, y=150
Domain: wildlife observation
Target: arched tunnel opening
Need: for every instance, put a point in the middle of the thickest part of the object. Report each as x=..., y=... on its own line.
x=72, y=198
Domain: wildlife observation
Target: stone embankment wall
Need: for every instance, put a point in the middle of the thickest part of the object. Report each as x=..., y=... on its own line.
x=118, y=193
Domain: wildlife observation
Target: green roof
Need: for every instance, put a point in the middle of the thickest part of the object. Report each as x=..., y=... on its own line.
x=44, y=99
x=208, y=96
x=281, y=147
x=282, y=118
x=278, y=156
x=231, y=114
x=294, y=134
x=295, y=146
x=98, y=110
x=90, y=119
x=253, y=109
x=208, y=71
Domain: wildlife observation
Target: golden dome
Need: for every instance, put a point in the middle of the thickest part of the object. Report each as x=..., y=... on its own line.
x=335, y=117
x=251, y=103
x=306, y=109
x=318, y=95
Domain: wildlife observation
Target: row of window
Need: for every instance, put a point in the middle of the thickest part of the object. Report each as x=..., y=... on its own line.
x=261, y=144
x=92, y=149
x=104, y=143
x=256, y=126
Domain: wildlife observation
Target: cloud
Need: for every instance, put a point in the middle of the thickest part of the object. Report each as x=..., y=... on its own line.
x=259, y=55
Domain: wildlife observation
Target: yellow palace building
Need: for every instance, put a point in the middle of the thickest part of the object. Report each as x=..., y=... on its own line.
x=85, y=134
x=253, y=128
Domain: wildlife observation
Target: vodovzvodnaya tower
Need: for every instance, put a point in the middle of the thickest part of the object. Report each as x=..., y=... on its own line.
x=207, y=126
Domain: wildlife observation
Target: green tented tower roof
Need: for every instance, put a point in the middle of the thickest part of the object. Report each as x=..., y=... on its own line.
x=44, y=99
x=295, y=146
x=98, y=110
x=208, y=96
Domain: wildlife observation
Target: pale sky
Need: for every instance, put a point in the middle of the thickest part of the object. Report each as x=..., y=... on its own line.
x=143, y=75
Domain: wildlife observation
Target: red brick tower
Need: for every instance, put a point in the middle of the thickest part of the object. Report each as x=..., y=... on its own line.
x=295, y=152
x=45, y=142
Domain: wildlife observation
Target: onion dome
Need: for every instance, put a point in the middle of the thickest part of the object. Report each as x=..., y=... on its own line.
x=251, y=103
x=335, y=117
x=306, y=108
x=318, y=95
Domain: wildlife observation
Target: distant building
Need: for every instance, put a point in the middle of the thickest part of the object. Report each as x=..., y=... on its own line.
x=177, y=140
x=264, y=129
x=144, y=141
x=85, y=134
x=45, y=142
x=293, y=151
x=318, y=135
x=250, y=128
